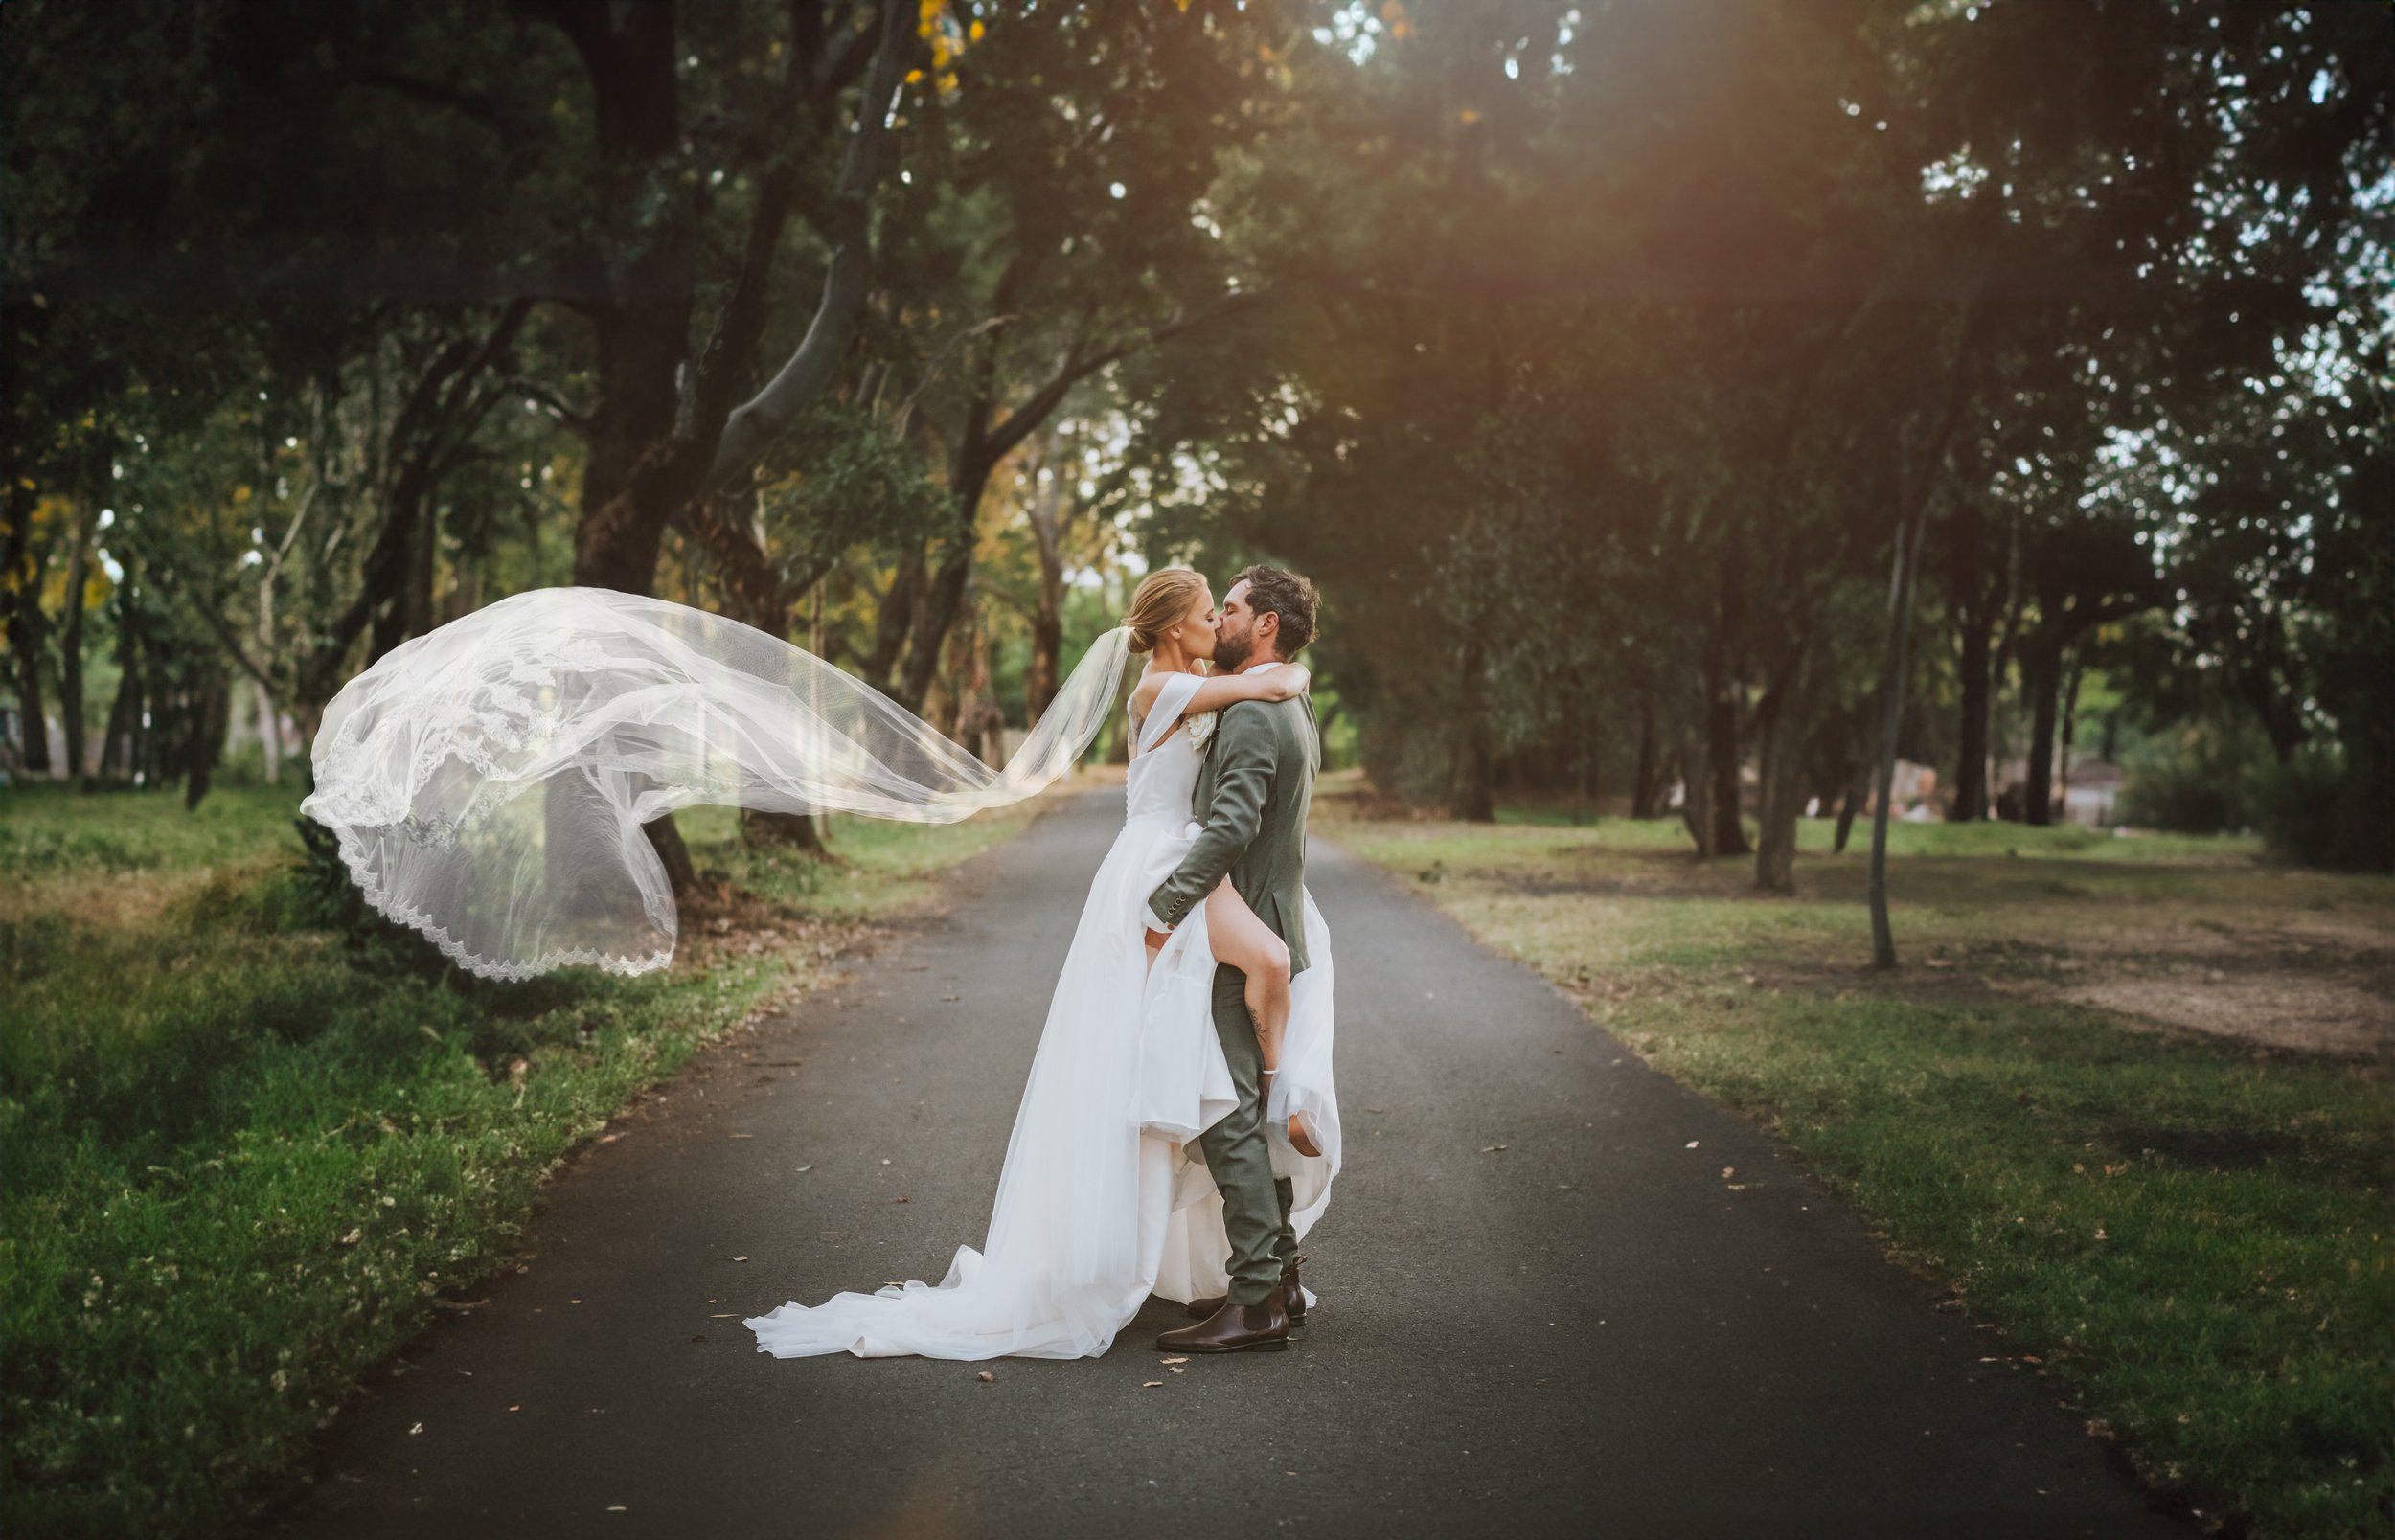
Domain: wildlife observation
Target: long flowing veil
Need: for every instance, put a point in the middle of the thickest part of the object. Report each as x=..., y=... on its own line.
x=489, y=780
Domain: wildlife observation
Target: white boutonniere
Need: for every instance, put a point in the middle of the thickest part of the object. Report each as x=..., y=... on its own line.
x=1202, y=731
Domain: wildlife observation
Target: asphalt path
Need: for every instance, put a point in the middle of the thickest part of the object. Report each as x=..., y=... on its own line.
x=1583, y=1331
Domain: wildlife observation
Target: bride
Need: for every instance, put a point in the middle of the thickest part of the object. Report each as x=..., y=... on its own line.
x=491, y=784
x=1104, y=1198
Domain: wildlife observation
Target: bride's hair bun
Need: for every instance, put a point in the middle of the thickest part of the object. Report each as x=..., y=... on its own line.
x=1161, y=602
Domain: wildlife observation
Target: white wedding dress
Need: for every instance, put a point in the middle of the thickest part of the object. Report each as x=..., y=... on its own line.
x=1104, y=1198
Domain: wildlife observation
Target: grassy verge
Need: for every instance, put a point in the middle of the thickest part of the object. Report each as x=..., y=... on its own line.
x=2187, y=1229
x=245, y=1158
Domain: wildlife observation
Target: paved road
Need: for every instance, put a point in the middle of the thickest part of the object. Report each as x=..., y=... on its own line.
x=1582, y=1333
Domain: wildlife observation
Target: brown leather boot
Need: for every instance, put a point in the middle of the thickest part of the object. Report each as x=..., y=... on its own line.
x=1292, y=1298
x=1235, y=1328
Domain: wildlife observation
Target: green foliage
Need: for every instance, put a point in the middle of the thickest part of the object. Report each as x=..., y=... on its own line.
x=243, y=1157
x=2199, y=780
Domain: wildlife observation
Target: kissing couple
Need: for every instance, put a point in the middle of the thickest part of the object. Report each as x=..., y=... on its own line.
x=1179, y=1129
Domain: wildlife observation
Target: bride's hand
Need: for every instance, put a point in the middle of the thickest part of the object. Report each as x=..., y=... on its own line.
x=1287, y=680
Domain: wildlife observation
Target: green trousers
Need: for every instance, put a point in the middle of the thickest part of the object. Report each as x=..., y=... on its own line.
x=1255, y=1203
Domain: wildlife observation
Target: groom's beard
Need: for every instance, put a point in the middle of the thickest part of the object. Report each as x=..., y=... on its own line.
x=1230, y=653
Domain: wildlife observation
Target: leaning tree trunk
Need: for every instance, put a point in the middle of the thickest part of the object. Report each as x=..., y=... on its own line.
x=1892, y=678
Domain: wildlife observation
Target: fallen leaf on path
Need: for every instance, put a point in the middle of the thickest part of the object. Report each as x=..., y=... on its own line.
x=1691, y=1144
x=1151, y=1385
x=722, y=1315
x=1181, y=1360
x=986, y=1378
x=516, y=1409
x=1486, y=1148
x=807, y=1168
x=419, y=1428
x=1729, y=1171
x=736, y=1258
x=1176, y=1372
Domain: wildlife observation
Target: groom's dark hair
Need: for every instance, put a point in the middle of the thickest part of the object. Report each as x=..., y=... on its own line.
x=1270, y=589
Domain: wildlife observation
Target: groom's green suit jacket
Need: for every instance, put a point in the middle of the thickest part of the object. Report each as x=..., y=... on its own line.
x=1252, y=795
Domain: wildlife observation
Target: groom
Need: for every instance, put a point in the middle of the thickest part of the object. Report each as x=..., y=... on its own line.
x=1252, y=795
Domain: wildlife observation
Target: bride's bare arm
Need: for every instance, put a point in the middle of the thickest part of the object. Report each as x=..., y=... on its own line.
x=1226, y=690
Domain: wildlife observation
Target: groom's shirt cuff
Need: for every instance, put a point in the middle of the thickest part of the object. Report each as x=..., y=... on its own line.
x=1155, y=924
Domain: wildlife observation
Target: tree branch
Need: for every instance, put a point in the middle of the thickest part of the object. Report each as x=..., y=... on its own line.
x=752, y=427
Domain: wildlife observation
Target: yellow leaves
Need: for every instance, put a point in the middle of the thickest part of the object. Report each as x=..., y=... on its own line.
x=1393, y=13
x=937, y=26
x=1469, y=115
x=241, y=495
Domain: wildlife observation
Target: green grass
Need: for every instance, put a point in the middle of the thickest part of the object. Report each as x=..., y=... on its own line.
x=2192, y=1234
x=244, y=1157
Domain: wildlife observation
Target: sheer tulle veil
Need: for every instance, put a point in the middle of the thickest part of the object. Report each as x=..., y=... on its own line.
x=487, y=780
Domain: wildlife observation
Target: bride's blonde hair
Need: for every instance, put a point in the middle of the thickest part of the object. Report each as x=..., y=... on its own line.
x=1161, y=602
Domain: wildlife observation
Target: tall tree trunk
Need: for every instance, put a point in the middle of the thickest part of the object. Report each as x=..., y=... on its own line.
x=2070, y=725
x=895, y=619
x=212, y=709
x=71, y=634
x=2042, y=679
x=1050, y=513
x=1858, y=788
x=1971, y=765
x=1471, y=792
x=269, y=731
x=935, y=614
x=1644, y=781
x=1893, y=675
x=1696, y=794
x=1784, y=777
x=26, y=566
x=1729, y=836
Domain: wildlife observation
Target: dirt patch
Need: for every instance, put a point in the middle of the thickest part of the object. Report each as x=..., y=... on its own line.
x=2314, y=984
x=2300, y=1011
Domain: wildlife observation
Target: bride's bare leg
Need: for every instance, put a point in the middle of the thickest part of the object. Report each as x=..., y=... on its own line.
x=1247, y=943
x=1242, y=941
